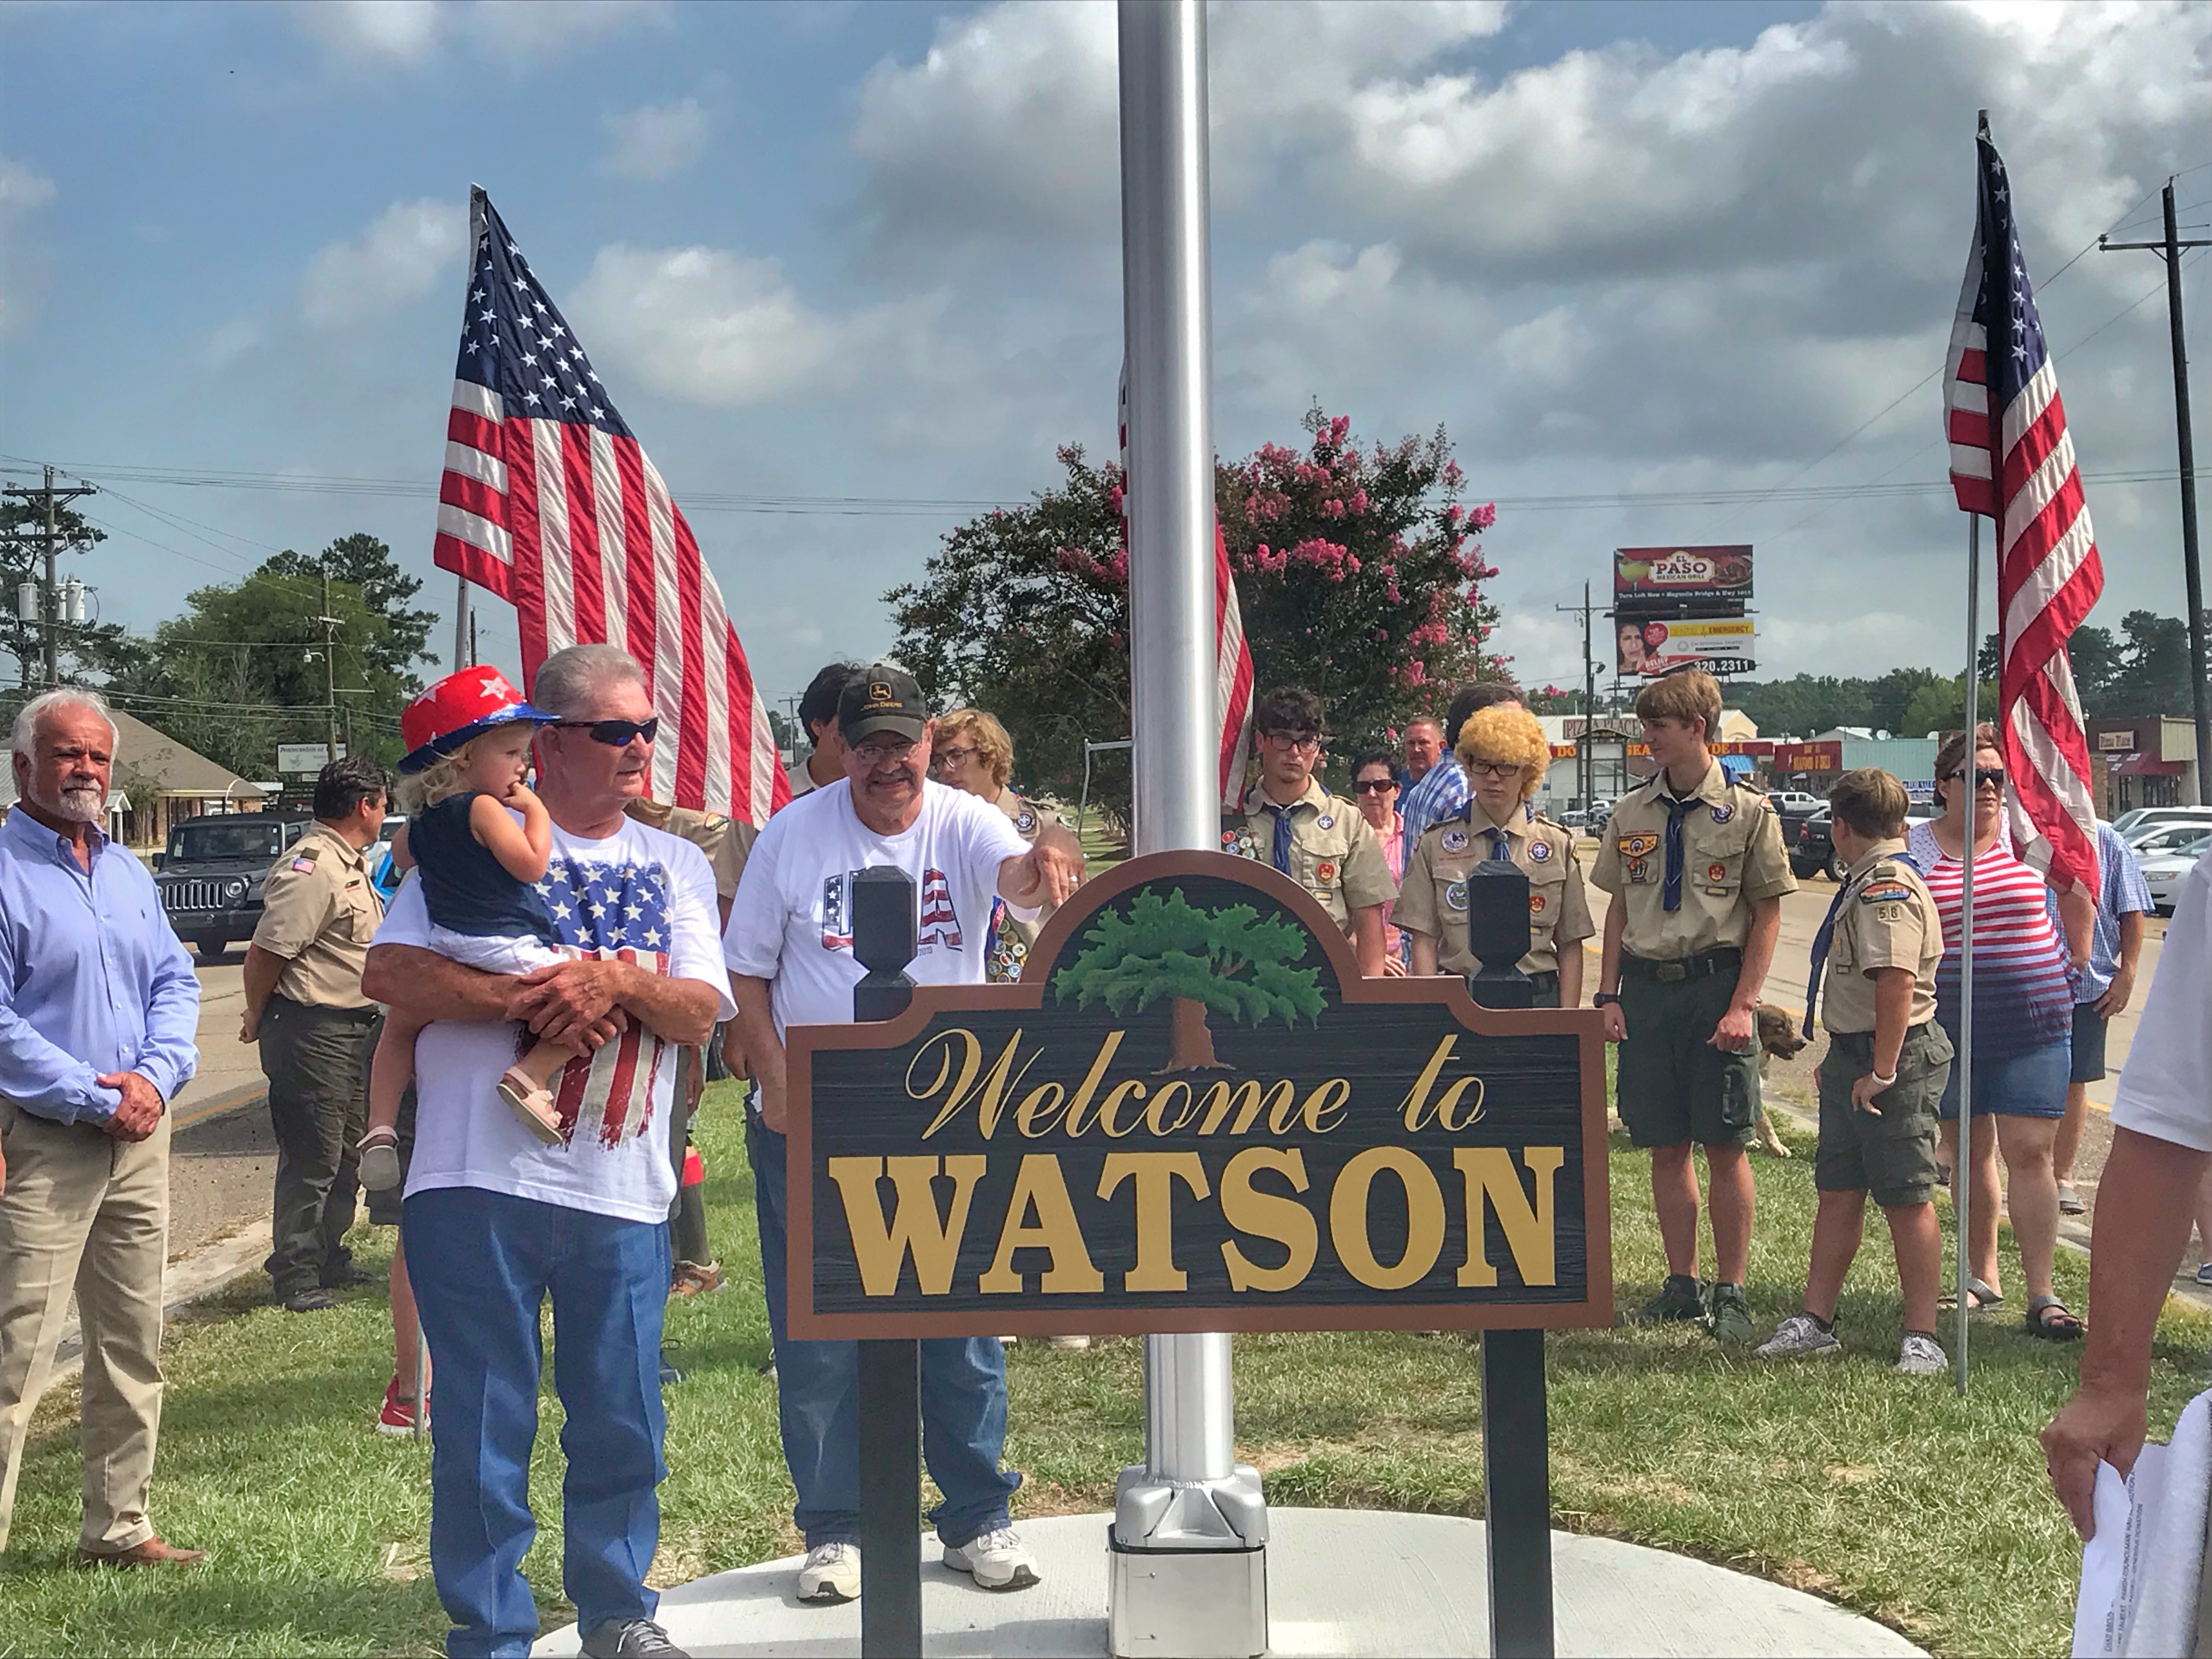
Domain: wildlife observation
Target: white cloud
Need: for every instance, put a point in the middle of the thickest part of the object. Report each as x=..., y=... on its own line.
x=405, y=32
x=225, y=345
x=25, y=265
x=657, y=140
x=1009, y=124
x=710, y=326
x=395, y=261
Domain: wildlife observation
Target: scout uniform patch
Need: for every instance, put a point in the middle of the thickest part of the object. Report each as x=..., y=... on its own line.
x=1334, y=854
x=1540, y=851
x=1434, y=898
x=1638, y=846
x=1456, y=896
x=1455, y=841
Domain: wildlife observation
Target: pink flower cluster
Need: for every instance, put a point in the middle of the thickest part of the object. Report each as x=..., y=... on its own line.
x=1113, y=572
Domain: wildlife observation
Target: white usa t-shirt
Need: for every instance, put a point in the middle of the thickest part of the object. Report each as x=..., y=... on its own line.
x=793, y=920
x=2166, y=1087
x=642, y=896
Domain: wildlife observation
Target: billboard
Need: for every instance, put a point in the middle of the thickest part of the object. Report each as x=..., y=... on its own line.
x=1663, y=578
x=1646, y=647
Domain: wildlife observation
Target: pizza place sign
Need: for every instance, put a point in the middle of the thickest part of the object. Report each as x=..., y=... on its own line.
x=1193, y=1114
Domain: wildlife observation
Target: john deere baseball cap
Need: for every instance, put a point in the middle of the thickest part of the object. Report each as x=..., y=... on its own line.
x=882, y=699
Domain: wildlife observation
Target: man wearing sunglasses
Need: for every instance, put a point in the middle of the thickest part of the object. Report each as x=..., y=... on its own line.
x=1319, y=840
x=496, y=1224
x=789, y=949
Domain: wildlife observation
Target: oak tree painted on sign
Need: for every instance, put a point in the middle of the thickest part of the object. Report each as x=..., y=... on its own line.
x=1229, y=962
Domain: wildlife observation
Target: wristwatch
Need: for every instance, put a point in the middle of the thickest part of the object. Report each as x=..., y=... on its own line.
x=1606, y=999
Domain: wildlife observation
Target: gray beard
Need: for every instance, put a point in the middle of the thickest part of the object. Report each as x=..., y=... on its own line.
x=81, y=806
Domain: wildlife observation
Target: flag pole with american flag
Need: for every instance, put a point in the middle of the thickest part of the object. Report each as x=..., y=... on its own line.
x=2012, y=462
x=548, y=502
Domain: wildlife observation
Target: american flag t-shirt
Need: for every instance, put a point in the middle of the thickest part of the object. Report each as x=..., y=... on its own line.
x=2012, y=460
x=617, y=909
x=549, y=501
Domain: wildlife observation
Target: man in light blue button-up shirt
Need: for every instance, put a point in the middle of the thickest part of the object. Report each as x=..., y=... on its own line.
x=97, y=1010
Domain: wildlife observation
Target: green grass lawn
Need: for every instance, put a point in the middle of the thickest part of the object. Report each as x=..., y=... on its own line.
x=1884, y=1492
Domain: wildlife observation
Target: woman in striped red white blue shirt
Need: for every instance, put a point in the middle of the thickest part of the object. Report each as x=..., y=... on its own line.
x=2023, y=1021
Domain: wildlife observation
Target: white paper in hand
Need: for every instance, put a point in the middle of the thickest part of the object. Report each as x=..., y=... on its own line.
x=2140, y=1572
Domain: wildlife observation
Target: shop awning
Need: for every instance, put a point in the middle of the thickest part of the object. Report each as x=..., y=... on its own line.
x=2147, y=766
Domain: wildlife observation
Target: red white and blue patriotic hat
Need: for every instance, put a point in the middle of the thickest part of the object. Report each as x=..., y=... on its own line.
x=457, y=707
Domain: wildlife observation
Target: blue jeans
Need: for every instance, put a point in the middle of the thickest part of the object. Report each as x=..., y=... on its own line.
x=480, y=1264
x=963, y=1403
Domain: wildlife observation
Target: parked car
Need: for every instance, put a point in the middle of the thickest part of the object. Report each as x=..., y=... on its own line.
x=1794, y=802
x=1574, y=817
x=382, y=873
x=2165, y=869
x=1813, y=849
x=2143, y=821
x=211, y=873
x=1600, y=814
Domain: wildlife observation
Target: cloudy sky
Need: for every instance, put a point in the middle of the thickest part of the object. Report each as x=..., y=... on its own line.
x=1642, y=262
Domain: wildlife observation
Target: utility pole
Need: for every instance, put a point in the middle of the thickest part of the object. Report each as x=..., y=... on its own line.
x=1585, y=781
x=2171, y=250
x=49, y=593
x=330, y=669
x=472, y=636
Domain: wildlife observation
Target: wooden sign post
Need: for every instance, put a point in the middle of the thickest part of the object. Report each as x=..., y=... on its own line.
x=1194, y=1115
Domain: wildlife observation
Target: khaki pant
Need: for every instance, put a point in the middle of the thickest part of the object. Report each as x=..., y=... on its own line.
x=85, y=1212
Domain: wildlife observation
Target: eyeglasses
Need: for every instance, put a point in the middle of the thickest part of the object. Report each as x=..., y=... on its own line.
x=1374, y=786
x=965, y=752
x=615, y=734
x=1991, y=777
x=885, y=753
x=1494, y=768
x=1306, y=742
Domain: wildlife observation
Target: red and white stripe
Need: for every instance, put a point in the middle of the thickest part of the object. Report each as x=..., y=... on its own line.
x=611, y=1096
x=576, y=530
x=1232, y=680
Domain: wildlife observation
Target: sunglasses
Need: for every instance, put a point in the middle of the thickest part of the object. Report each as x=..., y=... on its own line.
x=1991, y=777
x=1375, y=787
x=615, y=734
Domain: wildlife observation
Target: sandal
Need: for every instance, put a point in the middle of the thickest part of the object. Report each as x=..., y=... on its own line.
x=2050, y=1320
x=379, y=1160
x=532, y=1106
x=1986, y=1297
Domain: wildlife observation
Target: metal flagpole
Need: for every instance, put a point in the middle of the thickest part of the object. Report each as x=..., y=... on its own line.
x=1188, y=1571
x=1962, y=1172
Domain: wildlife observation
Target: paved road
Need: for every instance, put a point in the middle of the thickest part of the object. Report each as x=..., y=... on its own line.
x=222, y=1163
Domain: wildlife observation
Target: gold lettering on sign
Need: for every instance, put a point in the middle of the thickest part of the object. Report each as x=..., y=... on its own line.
x=1109, y=1109
x=1268, y=1215
x=1425, y=1214
x=1156, y=1174
x=1040, y=1111
x=1081, y=1098
x=1156, y=1113
x=1039, y=1189
x=1247, y=1101
x=1490, y=1175
x=1416, y=1107
x=1323, y=1108
x=915, y=1226
x=1001, y=1081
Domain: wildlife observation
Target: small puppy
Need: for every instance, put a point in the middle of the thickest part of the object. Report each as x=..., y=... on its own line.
x=1777, y=1035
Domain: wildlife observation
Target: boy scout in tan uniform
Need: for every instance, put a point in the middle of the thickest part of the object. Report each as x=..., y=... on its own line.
x=725, y=842
x=305, y=1007
x=1696, y=880
x=1881, y=1081
x=1432, y=896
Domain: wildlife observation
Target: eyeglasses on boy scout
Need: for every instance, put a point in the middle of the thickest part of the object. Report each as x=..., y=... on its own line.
x=1494, y=768
x=615, y=734
x=1308, y=741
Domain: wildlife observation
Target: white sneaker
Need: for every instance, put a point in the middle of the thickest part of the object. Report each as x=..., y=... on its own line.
x=1068, y=1344
x=1799, y=1337
x=997, y=1560
x=831, y=1573
x=1920, y=1355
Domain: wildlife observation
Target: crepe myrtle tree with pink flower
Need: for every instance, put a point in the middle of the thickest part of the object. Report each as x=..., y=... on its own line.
x=1358, y=572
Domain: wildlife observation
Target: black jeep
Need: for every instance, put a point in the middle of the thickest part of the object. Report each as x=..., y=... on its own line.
x=211, y=873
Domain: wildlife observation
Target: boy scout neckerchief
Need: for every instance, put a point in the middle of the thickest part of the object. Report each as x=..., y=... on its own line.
x=1281, y=852
x=1825, y=937
x=1678, y=808
x=1500, y=847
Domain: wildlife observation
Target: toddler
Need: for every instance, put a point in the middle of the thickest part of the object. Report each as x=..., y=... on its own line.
x=462, y=782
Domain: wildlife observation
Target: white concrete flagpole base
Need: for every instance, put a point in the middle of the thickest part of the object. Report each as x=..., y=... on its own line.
x=1344, y=1582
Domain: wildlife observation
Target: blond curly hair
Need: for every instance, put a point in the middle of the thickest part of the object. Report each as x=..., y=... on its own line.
x=442, y=778
x=1506, y=732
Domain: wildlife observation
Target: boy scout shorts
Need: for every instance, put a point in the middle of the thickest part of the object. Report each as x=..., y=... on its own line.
x=1892, y=1156
x=1673, y=1085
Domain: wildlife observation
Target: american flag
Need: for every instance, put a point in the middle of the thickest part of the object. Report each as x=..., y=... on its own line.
x=2012, y=461
x=1232, y=684
x=550, y=502
x=616, y=911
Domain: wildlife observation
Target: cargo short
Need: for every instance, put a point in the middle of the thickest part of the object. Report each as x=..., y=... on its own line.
x=1672, y=1085
x=1892, y=1156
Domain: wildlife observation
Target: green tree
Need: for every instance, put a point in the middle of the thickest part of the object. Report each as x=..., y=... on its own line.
x=1229, y=962
x=365, y=564
x=86, y=650
x=1358, y=576
x=243, y=670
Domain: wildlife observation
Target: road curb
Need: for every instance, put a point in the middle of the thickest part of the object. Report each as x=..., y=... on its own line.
x=220, y=1103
